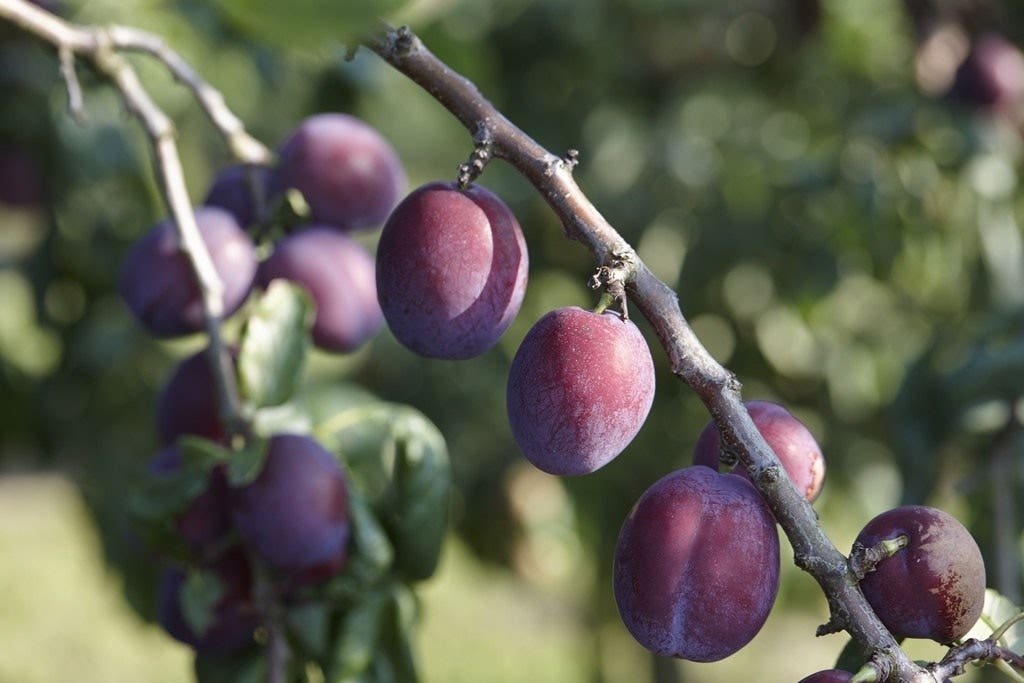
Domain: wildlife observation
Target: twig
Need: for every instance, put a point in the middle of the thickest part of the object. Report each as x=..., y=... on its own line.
x=690, y=361
x=100, y=47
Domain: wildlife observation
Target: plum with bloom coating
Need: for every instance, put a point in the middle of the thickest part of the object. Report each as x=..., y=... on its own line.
x=579, y=389
x=697, y=565
x=451, y=270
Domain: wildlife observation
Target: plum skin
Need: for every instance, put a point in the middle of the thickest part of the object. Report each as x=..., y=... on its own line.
x=339, y=275
x=348, y=173
x=187, y=402
x=235, y=615
x=697, y=565
x=159, y=286
x=579, y=389
x=205, y=520
x=230, y=191
x=933, y=588
x=797, y=449
x=294, y=515
x=451, y=270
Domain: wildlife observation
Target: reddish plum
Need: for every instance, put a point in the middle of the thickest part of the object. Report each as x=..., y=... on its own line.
x=793, y=443
x=348, y=173
x=159, y=286
x=579, y=389
x=697, y=565
x=935, y=586
x=339, y=274
x=294, y=515
x=451, y=270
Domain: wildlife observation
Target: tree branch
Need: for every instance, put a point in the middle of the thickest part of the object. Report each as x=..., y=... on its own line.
x=690, y=361
x=101, y=46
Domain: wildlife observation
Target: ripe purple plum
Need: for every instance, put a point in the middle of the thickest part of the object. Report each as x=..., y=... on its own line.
x=158, y=284
x=206, y=520
x=579, y=389
x=339, y=274
x=235, y=616
x=294, y=515
x=935, y=586
x=828, y=676
x=793, y=443
x=697, y=565
x=349, y=174
x=451, y=270
x=187, y=403
x=231, y=191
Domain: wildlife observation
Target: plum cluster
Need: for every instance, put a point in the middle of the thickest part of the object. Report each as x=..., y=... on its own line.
x=290, y=520
x=697, y=560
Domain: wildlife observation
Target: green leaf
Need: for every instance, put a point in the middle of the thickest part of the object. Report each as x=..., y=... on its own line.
x=309, y=626
x=369, y=541
x=199, y=596
x=274, y=344
x=247, y=666
x=358, y=633
x=245, y=465
x=997, y=611
x=397, y=458
x=160, y=496
x=307, y=24
x=422, y=483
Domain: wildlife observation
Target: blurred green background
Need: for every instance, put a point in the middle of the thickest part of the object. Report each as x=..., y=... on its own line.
x=843, y=235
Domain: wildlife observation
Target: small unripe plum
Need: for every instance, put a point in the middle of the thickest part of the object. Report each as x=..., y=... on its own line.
x=235, y=616
x=793, y=443
x=339, y=274
x=697, y=565
x=205, y=521
x=828, y=676
x=187, y=403
x=348, y=173
x=935, y=586
x=231, y=191
x=579, y=389
x=159, y=286
x=294, y=515
x=451, y=270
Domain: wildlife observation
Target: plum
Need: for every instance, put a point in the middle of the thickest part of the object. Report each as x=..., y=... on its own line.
x=234, y=616
x=295, y=514
x=697, y=565
x=231, y=191
x=187, y=402
x=339, y=274
x=159, y=286
x=935, y=586
x=205, y=521
x=451, y=270
x=992, y=75
x=348, y=173
x=793, y=443
x=579, y=389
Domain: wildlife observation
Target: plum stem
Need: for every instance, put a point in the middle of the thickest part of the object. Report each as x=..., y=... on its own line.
x=865, y=559
x=718, y=388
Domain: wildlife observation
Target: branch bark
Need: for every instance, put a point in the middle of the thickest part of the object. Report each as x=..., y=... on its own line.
x=551, y=175
x=103, y=47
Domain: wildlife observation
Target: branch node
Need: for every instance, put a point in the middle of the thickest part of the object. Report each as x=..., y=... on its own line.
x=613, y=277
x=70, y=76
x=403, y=41
x=571, y=159
x=471, y=169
